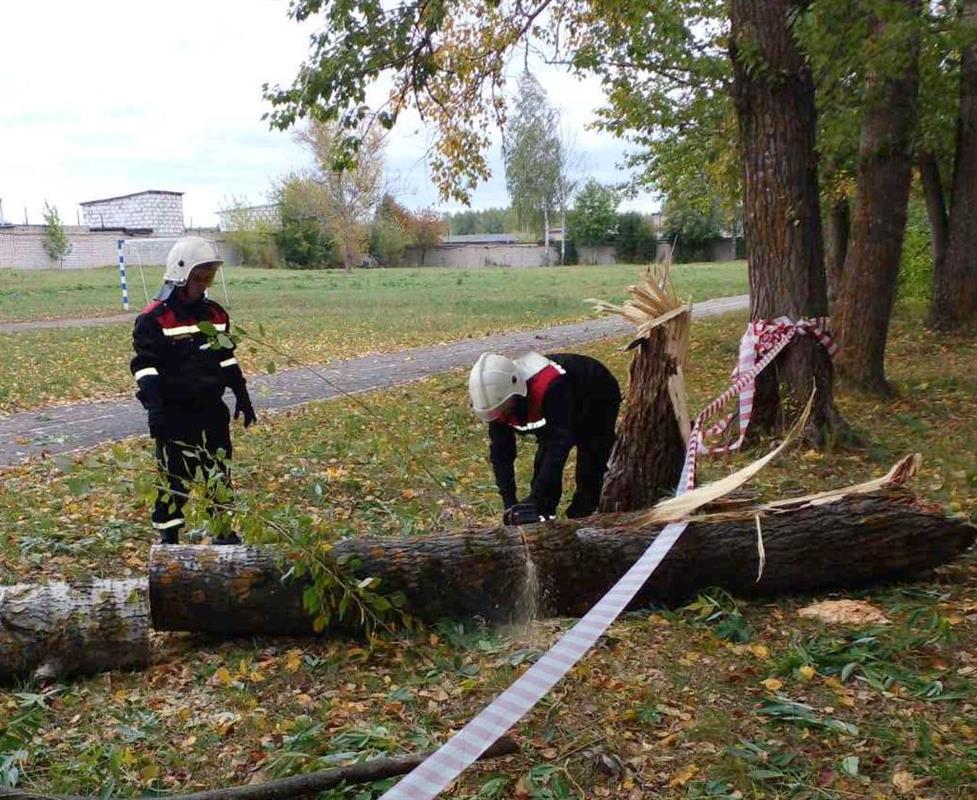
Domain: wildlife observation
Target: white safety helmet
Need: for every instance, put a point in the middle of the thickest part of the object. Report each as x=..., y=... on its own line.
x=492, y=381
x=187, y=253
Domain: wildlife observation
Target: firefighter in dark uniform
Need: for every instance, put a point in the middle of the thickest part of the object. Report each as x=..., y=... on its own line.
x=565, y=401
x=182, y=379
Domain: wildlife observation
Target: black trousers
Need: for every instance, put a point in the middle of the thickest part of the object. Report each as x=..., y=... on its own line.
x=593, y=452
x=594, y=441
x=195, y=438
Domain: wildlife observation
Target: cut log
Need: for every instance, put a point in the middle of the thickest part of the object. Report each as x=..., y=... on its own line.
x=57, y=629
x=847, y=541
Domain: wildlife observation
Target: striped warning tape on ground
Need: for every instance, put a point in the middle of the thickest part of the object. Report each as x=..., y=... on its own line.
x=447, y=763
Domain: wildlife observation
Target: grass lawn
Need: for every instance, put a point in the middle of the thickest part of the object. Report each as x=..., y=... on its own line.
x=316, y=316
x=671, y=704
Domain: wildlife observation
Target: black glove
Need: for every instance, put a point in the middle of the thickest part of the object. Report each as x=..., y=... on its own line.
x=158, y=424
x=242, y=405
x=522, y=514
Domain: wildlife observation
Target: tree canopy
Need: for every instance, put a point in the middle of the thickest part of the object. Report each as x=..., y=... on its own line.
x=533, y=155
x=594, y=217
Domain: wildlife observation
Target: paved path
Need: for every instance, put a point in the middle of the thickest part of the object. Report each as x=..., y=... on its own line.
x=90, y=322
x=60, y=429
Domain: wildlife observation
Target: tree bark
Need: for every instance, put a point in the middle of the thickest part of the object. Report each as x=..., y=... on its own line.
x=853, y=541
x=929, y=177
x=955, y=286
x=868, y=284
x=773, y=92
x=546, y=234
x=647, y=459
x=839, y=229
x=59, y=629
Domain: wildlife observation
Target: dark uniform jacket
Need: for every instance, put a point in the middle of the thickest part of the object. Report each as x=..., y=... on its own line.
x=563, y=407
x=175, y=366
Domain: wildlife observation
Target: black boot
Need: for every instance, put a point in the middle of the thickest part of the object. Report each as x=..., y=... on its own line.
x=169, y=536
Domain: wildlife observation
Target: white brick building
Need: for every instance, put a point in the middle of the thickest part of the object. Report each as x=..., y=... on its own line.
x=159, y=213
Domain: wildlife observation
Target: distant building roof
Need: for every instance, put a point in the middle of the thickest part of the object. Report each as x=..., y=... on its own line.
x=481, y=238
x=134, y=194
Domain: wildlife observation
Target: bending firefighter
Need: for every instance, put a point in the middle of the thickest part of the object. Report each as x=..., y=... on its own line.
x=182, y=379
x=563, y=400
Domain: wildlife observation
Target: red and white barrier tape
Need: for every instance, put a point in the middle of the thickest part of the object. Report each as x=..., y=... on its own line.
x=429, y=778
x=762, y=339
x=761, y=344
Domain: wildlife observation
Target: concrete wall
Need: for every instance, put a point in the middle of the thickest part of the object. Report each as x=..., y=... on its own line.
x=594, y=255
x=22, y=247
x=472, y=256
x=162, y=212
x=721, y=250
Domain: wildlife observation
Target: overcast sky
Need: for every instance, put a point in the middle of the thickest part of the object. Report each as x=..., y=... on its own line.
x=108, y=97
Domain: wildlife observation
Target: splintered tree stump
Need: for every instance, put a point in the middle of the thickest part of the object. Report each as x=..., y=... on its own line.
x=852, y=541
x=653, y=431
x=650, y=449
x=57, y=629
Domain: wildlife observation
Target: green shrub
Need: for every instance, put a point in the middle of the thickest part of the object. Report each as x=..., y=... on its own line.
x=635, y=240
x=56, y=243
x=256, y=247
x=916, y=265
x=388, y=240
x=302, y=243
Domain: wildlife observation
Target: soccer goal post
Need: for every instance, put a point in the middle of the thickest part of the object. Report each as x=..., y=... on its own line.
x=145, y=252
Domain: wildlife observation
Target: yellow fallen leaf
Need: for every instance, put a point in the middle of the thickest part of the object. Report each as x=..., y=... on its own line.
x=845, y=612
x=683, y=776
x=293, y=660
x=222, y=677
x=807, y=672
x=904, y=782
x=772, y=684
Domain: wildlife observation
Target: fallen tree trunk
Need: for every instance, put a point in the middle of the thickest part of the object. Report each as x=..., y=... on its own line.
x=848, y=541
x=375, y=769
x=55, y=629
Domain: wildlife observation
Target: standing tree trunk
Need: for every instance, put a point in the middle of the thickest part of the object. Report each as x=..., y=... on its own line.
x=929, y=176
x=546, y=234
x=773, y=92
x=955, y=286
x=868, y=283
x=647, y=459
x=839, y=229
x=563, y=235
x=650, y=449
